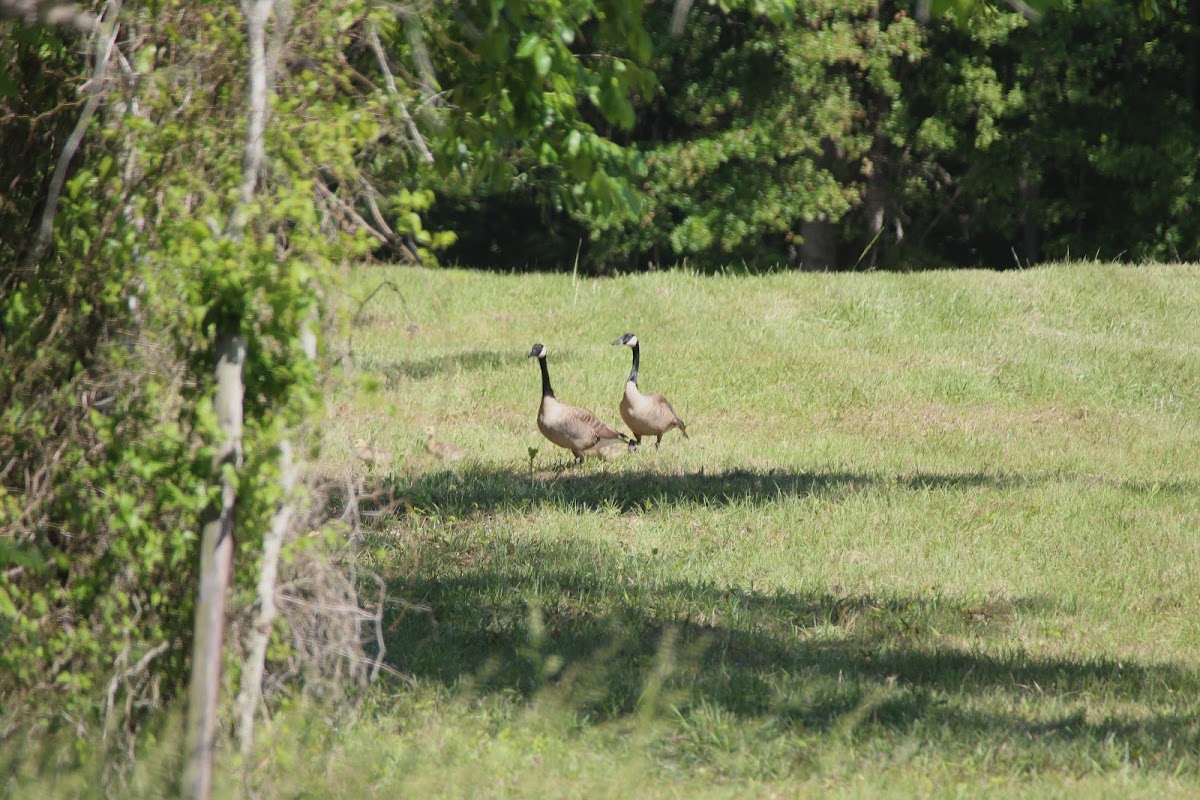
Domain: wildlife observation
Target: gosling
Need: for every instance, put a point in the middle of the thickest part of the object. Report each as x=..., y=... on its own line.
x=370, y=455
x=442, y=451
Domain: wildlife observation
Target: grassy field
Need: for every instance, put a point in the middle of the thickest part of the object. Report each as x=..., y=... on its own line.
x=933, y=534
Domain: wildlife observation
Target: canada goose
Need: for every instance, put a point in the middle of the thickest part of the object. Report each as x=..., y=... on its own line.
x=443, y=451
x=645, y=414
x=370, y=455
x=573, y=428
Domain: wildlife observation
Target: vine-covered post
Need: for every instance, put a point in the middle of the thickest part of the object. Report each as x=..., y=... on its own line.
x=216, y=543
x=216, y=565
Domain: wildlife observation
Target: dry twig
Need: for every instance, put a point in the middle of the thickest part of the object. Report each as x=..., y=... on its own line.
x=104, y=50
x=390, y=82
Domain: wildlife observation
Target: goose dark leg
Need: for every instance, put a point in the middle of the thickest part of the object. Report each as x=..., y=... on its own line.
x=658, y=441
x=634, y=443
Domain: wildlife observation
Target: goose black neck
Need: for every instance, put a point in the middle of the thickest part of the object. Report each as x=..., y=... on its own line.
x=546, y=390
x=637, y=359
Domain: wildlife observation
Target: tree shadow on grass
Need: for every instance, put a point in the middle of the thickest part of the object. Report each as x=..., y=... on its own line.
x=475, y=489
x=503, y=613
x=482, y=489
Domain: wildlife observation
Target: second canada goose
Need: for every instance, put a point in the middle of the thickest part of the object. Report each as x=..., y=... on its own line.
x=443, y=451
x=645, y=414
x=575, y=429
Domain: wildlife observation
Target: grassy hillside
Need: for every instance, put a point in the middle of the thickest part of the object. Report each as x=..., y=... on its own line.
x=932, y=534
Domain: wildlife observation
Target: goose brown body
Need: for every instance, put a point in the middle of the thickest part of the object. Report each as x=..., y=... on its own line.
x=570, y=427
x=648, y=414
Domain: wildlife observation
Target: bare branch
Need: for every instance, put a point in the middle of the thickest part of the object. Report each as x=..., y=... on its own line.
x=377, y=619
x=104, y=49
x=250, y=694
x=390, y=82
x=216, y=567
x=420, y=53
x=326, y=193
x=256, y=124
x=133, y=672
x=371, y=295
x=1024, y=9
x=924, y=10
x=679, y=16
x=216, y=539
x=375, y=214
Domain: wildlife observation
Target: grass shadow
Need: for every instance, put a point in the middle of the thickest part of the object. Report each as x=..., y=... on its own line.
x=811, y=663
x=472, y=489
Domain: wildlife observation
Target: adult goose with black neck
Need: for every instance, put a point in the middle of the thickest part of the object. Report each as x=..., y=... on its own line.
x=575, y=429
x=645, y=414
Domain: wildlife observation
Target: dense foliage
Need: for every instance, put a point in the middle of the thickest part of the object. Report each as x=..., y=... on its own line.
x=108, y=429
x=856, y=136
x=757, y=129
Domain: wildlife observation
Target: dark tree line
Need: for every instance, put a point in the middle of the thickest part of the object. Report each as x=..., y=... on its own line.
x=856, y=136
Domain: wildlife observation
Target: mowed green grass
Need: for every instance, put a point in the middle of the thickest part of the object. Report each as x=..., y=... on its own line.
x=932, y=534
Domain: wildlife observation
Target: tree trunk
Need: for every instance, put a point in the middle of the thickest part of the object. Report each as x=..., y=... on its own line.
x=250, y=694
x=818, y=250
x=257, y=95
x=875, y=202
x=1027, y=184
x=259, y=90
x=1191, y=64
x=216, y=565
x=879, y=107
x=216, y=541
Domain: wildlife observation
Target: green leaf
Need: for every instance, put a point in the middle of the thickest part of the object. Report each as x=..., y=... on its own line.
x=542, y=60
x=527, y=45
x=8, y=87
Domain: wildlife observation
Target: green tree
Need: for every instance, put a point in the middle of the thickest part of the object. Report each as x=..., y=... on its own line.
x=111, y=336
x=759, y=131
